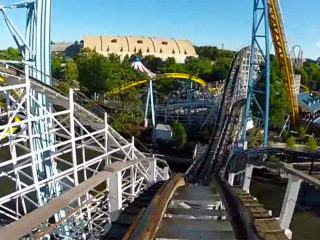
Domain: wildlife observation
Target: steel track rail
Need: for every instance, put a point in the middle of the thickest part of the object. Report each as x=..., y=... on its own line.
x=161, y=77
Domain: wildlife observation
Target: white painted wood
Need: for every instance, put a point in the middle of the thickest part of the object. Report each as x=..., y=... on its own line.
x=289, y=202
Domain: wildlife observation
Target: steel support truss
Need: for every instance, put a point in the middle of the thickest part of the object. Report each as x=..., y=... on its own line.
x=85, y=144
x=190, y=106
x=34, y=45
x=260, y=42
x=150, y=106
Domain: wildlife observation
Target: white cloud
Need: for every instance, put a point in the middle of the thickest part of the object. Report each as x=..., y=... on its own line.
x=318, y=44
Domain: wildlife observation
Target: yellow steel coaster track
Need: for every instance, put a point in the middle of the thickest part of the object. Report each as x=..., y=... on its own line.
x=305, y=88
x=17, y=93
x=16, y=119
x=162, y=77
x=280, y=45
x=124, y=87
x=181, y=76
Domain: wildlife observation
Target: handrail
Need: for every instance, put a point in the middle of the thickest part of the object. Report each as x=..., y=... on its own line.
x=305, y=177
x=149, y=222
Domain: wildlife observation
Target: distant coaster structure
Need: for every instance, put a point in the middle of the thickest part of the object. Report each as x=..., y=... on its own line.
x=150, y=103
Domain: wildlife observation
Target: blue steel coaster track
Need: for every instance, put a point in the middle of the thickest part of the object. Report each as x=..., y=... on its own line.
x=239, y=161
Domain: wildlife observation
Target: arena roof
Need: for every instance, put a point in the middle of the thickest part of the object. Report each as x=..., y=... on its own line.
x=308, y=103
x=159, y=47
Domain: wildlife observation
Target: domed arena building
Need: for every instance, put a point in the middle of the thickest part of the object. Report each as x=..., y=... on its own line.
x=158, y=47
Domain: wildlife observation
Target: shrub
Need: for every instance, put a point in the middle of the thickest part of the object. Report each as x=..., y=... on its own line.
x=291, y=143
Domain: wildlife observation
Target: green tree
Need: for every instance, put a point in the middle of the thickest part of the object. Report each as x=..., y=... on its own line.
x=291, y=143
x=98, y=73
x=221, y=68
x=56, y=66
x=208, y=52
x=179, y=134
x=312, y=145
x=14, y=53
x=212, y=65
x=170, y=66
x=219, y=72
x=255, y=140
x=310, y=75
x=129, y=113
x=93, y=70
x=193, y=65
x=10, y=54
x=302, y=133
x=153, y=63
x=215, y=60
x=279, y=107
x=67, y=72
x=70, y=70
x=213, y=53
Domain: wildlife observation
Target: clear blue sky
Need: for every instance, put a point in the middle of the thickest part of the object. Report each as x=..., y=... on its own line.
x=203, y=22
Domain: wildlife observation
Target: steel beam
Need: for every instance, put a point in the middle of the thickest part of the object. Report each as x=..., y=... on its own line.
x=260, y=42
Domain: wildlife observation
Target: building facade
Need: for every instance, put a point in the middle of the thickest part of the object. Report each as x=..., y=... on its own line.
x=66, y=49
x=159, y=47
